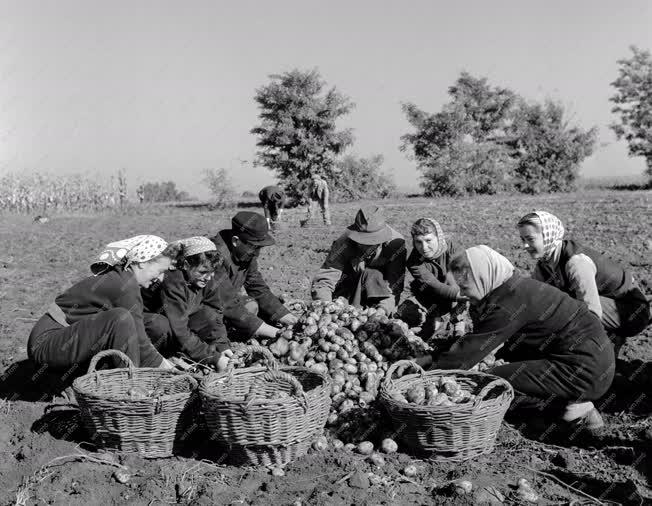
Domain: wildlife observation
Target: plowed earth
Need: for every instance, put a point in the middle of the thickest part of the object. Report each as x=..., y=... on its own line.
x=45, y=456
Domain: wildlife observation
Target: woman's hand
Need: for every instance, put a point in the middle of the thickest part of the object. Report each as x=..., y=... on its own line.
x=266, y=330
x=289, y=319
x=223, y=360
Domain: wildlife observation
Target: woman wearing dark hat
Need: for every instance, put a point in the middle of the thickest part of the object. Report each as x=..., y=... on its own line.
x=184, y=313
x=105, y=311
x=365, y=265
x=239, y=248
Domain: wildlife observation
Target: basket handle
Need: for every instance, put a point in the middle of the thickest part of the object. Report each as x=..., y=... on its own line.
x=249, y=351
x=278, y=376
x=392, y=369
x=486, y=389
x=107, y=353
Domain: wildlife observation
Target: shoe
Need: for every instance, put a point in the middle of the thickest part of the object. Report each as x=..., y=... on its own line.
x=592, y=421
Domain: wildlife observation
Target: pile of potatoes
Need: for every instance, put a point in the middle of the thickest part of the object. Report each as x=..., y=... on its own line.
x=441, y=391
x=353, y=346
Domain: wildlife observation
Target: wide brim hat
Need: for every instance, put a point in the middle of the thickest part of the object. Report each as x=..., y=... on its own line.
x=369, y=227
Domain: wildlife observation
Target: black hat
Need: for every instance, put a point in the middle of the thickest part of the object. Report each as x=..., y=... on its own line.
x=252, y=228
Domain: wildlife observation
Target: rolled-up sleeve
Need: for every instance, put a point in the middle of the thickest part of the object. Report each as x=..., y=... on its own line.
x=326, y=279
x=581, y=272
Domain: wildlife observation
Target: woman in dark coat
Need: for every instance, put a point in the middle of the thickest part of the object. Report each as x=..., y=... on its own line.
x=184, y=313
x=607, y=288
x=105, y=310
x=431, y=286
x=556, y=348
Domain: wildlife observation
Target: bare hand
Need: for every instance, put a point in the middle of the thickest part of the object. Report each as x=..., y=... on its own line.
x=289, y=319
x=223, y=360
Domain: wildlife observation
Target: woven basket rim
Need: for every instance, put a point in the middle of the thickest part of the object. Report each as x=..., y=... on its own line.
x=80, y=388
x=390, y=386
x=206, y=383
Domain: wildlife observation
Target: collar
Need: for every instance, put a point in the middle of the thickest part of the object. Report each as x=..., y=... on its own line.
x=554, y=258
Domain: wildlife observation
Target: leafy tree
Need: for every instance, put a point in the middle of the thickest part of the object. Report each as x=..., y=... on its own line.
x=161, y=192
x=548, y=151
x=633, y=101
x=455, y=148
x=297, y=131
x=358, y=178
x=487, y=139
x=220, y=185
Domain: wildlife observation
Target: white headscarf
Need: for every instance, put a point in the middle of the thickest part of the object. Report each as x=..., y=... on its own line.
x=489, y=268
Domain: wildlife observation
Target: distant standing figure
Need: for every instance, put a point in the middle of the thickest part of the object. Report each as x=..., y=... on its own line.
x=140, y=194
x=318, y=193
x=273, y=199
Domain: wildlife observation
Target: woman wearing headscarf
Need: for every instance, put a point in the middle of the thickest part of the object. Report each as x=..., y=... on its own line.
x=432, y=286
x=184, y=312
x=105, y=310
x=607, y=288
x=557, y=350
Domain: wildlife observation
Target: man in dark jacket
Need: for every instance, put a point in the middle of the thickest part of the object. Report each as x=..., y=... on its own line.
x=273, y=200
x=240, y=247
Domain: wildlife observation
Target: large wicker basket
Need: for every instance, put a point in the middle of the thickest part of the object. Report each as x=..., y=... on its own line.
x=256, y=429
x=448, y=433
x=155, y=425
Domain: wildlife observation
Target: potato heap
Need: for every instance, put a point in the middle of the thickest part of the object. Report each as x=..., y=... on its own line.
x=441, y=391
x=353, y=346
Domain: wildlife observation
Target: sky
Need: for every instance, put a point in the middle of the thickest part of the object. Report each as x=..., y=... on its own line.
x=166, y=89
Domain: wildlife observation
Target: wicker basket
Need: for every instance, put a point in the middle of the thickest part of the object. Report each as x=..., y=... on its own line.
x=257, y=429
x=453, y=433
x=154, y=426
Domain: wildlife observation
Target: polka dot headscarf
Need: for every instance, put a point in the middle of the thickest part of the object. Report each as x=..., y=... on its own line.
x=140, y=248
x=441, y=239
x=197, y=244
x=552, y=230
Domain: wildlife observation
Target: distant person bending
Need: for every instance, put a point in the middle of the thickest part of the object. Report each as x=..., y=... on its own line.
x=239, y=248
x=318, y=195
x=184, y=312
x=105, y=311
x=366, y=264
x=608, y=289
x=432, y=286
x=273, y=200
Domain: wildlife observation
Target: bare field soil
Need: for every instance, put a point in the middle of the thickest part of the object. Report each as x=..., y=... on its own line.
x=41, y=439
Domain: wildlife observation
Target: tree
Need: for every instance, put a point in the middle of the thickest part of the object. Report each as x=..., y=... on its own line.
x=220, y=185
x=487, y=139
x=161, y=192
x=359, y=178
x=546, y=150
x=633, y=101
x=456, y=148
x=297, y=131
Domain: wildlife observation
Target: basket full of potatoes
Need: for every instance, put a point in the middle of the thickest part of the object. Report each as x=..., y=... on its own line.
x=449, y=415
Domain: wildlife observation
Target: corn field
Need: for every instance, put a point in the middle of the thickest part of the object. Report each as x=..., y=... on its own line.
x=41, y=193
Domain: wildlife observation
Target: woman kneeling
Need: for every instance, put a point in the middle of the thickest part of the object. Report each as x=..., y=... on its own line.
x=557, y=349
x=184, y=313
x=105, y=310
